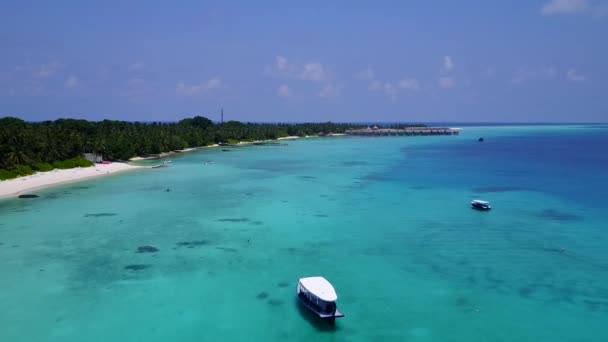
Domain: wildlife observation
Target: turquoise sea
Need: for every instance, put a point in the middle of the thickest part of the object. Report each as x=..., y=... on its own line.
x=386, y=220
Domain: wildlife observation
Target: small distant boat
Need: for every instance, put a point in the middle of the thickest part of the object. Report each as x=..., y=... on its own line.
x=319, y=296
x=481, y=205
x=164, y=164
x=480, y=139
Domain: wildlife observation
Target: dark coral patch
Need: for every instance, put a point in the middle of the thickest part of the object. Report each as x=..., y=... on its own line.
x=488, y=189
x=228, y=249
x=525, y=291
x=262, y=295
x=28, y=196
x=147, y=249
x=136, y=267
x=190, y=244
x=556, y=215
x=354, y=163
x=100, y=215
x=283, y=284
x=374, y=176
x=321, y=215
x=461, y=301
x=306, y=177
x=275, y=302
x=237, y=219
x=595, y=305
x=257, y=223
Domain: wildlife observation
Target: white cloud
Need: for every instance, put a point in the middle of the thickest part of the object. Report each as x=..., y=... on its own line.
x=185, y=89
x=390, y=90
x=72, y=82
x=310, y=71
x=197, y=89
x=446, y=82
x=313, y=72
x=137, y=87
x=596, y=8
x=522, y=75
x=329, y=90
x=548, y=72
x=409, y=83
x=564, y=7
x=282, y=63
x=47, y=70
x=135, y=82
x=600, y=10
x=283, y=91
x=375, y=85
x=448, y=64
x=214, y=83
x=573, y=75
x=136, y=66
x=366, y=74
x=385, y=87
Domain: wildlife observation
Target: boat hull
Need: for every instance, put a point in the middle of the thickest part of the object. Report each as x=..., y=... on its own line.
x=480, y=206
x=314, y=309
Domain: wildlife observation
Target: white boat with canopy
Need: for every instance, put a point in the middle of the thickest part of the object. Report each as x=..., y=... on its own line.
x=481, y=205
x=319, y=296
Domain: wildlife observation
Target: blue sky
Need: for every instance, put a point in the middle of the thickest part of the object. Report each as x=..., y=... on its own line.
x=501, y=61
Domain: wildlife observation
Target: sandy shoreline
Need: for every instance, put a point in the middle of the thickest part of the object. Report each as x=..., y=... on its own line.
x=21, y=185
x=172, y=153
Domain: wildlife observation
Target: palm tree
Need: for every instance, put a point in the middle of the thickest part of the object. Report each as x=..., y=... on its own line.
x=17, y=157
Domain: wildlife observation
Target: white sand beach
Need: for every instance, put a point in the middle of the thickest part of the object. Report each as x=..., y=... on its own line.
x=18, y=186
x=172, y=153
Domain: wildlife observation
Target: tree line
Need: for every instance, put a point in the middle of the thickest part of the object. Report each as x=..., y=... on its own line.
x=51, y=144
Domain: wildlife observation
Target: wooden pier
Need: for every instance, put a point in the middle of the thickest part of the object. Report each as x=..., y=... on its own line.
x=404, y=131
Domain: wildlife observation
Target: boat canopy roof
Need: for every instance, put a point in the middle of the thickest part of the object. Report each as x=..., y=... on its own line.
x=481, y=202
x=319, y=287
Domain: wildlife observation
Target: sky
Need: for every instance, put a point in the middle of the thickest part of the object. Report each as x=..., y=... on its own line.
x=294, y=61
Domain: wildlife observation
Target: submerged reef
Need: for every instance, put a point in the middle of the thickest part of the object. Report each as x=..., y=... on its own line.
x=146, y=249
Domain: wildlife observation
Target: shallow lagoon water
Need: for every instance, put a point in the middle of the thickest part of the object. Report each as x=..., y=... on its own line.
x=386, y=220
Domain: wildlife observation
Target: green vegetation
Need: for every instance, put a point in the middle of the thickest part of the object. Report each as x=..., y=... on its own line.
x=72, y=163
x=43, y=167
x=16, y=171
x=61, y=143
